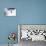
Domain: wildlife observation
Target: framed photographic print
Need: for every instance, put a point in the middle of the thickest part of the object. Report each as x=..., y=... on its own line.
x=10, y=12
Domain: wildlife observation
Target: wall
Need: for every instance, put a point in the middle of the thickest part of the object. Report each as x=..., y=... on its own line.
x=28, y=12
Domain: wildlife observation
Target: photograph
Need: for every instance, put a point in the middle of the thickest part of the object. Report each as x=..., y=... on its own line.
x=22, y=22
x=9, y=11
